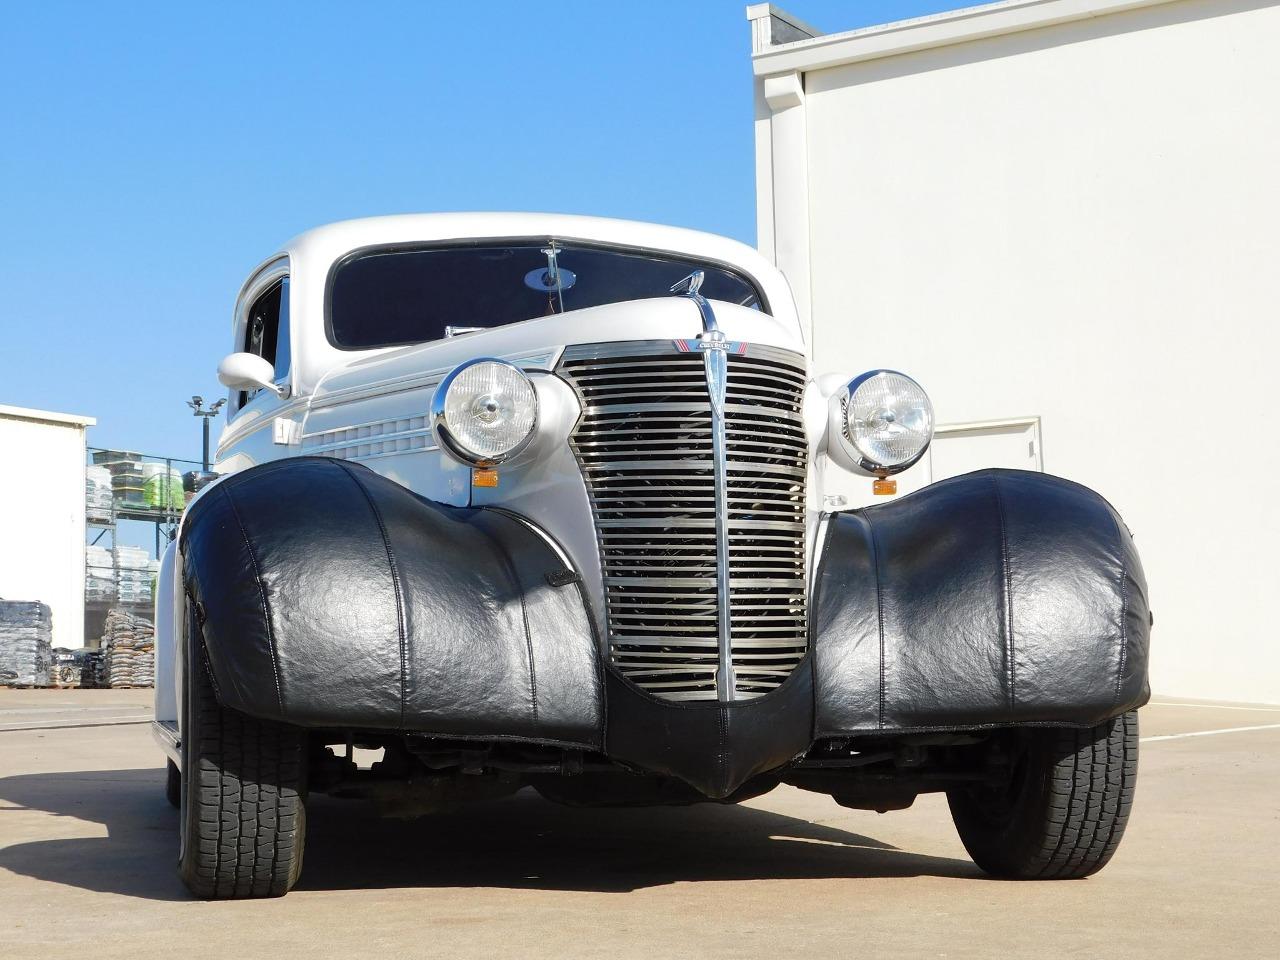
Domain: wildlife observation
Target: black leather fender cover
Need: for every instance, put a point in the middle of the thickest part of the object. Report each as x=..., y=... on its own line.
x=331, y=596
x=996, y=598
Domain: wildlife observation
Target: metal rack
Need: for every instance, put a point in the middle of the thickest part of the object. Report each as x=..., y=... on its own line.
x=164, y=517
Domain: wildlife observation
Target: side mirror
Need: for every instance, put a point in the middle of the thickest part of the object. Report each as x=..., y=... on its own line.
x=248, y=371
x=193, y=481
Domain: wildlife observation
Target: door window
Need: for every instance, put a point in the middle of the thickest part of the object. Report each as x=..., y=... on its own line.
x=266, y=332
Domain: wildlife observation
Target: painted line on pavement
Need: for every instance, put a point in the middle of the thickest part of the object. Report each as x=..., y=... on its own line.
x=100, y=722
x=65, y=708
x=1209, y=733
x=1213, y=706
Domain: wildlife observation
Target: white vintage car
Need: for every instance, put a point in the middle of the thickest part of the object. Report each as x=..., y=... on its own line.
x=527, y=500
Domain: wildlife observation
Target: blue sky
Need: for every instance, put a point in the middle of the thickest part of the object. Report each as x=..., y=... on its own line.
x=151, y=154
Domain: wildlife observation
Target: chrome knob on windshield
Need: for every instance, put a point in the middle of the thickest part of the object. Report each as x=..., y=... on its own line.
x=552, y=279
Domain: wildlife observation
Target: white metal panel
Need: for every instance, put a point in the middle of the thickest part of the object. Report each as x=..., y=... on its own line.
x=978, y=22
x=1079, y=219
x=42, y=515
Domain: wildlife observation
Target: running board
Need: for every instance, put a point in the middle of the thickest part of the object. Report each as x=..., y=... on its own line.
x=166, y=735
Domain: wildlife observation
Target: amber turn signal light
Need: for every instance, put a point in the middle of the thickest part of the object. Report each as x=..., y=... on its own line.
x=484, y=478
x=884, y=486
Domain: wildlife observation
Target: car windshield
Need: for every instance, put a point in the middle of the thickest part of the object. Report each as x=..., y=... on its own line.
x=385, y=298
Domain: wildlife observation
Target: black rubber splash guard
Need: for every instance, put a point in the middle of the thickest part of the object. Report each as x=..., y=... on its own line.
x=996, y=598
x=330, y=596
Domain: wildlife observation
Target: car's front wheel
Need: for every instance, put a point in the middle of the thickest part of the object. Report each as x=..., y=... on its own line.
x=243, y=816
x=1064, y=809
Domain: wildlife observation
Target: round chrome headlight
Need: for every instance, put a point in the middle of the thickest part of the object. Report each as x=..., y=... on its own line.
x=887, y=420
x=484, y=412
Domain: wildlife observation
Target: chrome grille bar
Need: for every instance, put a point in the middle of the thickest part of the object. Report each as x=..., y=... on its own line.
x=717, y=374
x=677, y=613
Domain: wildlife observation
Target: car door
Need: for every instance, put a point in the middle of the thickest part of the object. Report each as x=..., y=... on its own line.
x=262, y=328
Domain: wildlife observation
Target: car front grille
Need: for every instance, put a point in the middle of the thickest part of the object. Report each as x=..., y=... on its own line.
x=644, y=444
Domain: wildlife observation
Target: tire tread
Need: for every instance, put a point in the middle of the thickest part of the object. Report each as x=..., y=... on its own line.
x=1072, y=814
x=246, y=830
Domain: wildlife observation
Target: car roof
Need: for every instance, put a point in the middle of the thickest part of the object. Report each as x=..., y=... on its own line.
x=429, y=227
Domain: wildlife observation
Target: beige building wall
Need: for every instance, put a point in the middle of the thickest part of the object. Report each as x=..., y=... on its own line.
x=42, y=522
x=1070, y=211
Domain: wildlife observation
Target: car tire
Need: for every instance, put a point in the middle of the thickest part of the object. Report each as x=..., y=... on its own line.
x=243, y=813
x=1064, y=810
x=173, y=784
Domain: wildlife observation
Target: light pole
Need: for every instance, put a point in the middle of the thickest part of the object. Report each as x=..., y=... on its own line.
x=197, y=409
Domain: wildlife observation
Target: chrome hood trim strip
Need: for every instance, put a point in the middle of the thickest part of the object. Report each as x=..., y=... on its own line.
x=712, y=344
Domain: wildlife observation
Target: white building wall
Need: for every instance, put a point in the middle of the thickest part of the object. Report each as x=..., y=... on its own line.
x=1079, y=222
x=42, y=523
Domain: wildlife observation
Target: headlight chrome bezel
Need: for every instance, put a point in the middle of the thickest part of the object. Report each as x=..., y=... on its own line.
x=849, y=444
x=446, y=437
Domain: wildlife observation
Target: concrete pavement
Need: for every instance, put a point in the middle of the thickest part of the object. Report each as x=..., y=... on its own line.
x=88, y=844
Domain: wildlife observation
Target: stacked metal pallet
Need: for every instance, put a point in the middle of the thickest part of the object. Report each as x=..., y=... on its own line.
x=26, y=651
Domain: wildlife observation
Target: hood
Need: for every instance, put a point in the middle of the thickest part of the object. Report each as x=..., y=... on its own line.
x=665, y=318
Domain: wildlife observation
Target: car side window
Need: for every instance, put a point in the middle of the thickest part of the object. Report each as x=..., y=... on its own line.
x=266, y=332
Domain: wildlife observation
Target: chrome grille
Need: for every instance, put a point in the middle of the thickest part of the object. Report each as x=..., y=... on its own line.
x=644, y=444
